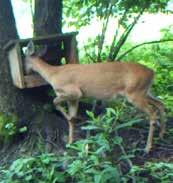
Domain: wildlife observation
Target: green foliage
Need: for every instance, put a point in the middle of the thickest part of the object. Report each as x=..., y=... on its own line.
x=126, y=13
x=8, y=126
x=42, y=169
x=82, y=12
x=156, y=172
x=93, y=159
x=90, y=160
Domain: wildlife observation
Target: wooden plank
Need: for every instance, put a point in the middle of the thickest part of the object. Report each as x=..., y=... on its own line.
x=21, y=69
x=48, y=39
x=40, y=40
x=34, y=81
x=16, y=67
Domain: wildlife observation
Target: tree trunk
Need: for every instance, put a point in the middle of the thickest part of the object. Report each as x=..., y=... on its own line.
x=48, y=20
x=11, y=99
x=9, y=96
x=28, y=104
x=48, y=17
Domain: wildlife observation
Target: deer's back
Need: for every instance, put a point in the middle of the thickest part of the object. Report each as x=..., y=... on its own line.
x=103, y=80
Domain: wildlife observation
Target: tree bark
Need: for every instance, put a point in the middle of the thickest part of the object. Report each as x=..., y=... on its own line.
x=47, y=21
x=11, y=99
x=48, y=17
x=27, y=104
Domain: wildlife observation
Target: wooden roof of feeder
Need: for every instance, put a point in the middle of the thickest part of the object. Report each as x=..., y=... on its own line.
x=68, y=50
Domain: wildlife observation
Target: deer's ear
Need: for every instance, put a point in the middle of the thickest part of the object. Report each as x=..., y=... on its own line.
x=30, y=49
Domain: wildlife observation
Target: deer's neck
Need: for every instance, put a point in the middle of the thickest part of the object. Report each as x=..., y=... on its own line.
x=44, y=69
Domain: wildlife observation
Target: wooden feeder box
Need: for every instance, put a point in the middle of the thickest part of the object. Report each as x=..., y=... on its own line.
x=58, y=46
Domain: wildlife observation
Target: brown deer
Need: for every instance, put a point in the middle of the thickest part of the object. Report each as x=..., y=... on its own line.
x=101, y=81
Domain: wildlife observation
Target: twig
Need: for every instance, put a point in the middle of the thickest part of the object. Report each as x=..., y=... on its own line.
x=104, y=29
x=125, y=35
x=88, y=55
x=141, y=44
x=116, y=35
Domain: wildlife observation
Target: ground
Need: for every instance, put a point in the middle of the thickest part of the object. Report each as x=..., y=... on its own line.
x=134, y=141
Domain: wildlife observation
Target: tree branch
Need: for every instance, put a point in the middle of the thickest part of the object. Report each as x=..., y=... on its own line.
x=88, y=55
x=125, y=36
x=102, y=37
x=136, y=46
x=116, y=34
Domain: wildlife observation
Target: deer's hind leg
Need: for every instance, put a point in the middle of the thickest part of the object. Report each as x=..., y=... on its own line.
x=142, y=102
x=161, y=109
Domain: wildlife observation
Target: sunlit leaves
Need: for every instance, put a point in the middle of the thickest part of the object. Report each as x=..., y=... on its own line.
x=82, y=12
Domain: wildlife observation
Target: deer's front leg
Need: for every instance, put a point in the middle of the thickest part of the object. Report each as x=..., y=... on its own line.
x=71, y=94
x=56, y=103
x=73, y=108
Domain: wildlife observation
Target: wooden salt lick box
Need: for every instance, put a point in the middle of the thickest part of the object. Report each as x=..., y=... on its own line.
x=63, y=45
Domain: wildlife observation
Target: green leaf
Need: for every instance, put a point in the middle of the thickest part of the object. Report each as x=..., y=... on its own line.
x=118, y=140
x=128, y=124
x=101, y=150
x=97, y=178
x=28, y=178
x=23, y=129
x=110, y=112
x=90, y=127
x=59, y=177
x=111, y=174
x=90, y=114
x=75, y=167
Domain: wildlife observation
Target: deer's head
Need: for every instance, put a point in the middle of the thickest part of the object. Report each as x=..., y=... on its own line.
x=29, y=55
x=32, y=55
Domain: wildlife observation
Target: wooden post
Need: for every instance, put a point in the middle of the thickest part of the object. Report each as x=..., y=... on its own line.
x=70, y=48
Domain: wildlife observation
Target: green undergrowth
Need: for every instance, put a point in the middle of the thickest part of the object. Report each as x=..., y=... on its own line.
x=154, y=172
x=99, y=158
x=8, y=127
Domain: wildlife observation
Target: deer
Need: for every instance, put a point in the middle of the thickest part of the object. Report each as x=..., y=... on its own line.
x=101, y=81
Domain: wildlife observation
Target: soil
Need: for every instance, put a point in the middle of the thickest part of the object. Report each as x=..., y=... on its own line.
x=162, y=150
